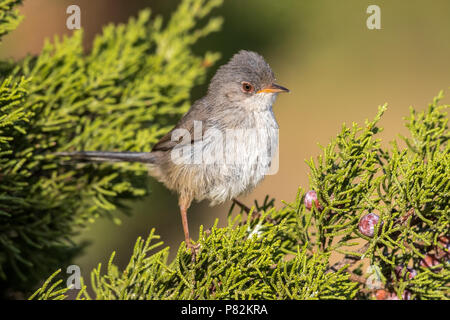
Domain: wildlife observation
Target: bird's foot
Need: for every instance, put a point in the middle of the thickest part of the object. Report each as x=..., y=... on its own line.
x=195, y=250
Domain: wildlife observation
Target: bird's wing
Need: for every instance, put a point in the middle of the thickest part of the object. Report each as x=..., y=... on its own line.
x=186, y=122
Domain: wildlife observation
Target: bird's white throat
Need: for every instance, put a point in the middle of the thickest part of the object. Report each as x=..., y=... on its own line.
x=260, y=101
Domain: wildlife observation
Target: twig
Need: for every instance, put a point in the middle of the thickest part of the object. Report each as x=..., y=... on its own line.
x=255, y=214
x=349, y=259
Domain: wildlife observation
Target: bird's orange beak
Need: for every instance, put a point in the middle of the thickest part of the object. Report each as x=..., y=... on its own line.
x=273, y=88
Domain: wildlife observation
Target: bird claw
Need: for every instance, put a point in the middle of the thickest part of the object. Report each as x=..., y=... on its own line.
x=195, y=249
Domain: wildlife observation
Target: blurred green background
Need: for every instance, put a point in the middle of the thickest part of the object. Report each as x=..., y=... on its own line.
x=337, y=69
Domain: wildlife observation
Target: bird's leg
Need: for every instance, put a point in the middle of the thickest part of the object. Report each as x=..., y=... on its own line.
x=184, y=205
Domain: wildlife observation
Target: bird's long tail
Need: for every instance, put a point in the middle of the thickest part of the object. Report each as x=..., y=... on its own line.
x=144, y=157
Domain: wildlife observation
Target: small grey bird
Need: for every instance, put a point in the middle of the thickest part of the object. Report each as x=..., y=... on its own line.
x=223, y=146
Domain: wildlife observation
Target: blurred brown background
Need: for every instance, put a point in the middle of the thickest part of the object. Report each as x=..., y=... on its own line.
x=337, y=69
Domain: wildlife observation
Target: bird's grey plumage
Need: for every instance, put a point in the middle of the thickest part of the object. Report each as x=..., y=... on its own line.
x=225, y=107
x=243, y=66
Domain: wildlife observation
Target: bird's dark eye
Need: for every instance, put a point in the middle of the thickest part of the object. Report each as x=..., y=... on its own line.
x=247, y=87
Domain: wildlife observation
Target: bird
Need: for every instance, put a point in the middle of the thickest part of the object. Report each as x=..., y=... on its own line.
x=223, y=146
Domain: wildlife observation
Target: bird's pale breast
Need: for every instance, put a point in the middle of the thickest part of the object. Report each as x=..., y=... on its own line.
x=248, y=147
x=232, y=157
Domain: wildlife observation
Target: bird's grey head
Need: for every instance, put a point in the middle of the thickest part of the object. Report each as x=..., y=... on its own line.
x=247, y=80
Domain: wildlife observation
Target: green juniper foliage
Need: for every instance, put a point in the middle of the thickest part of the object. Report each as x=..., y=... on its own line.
x=123, y=95
x=9, y=16
x=285, y=253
